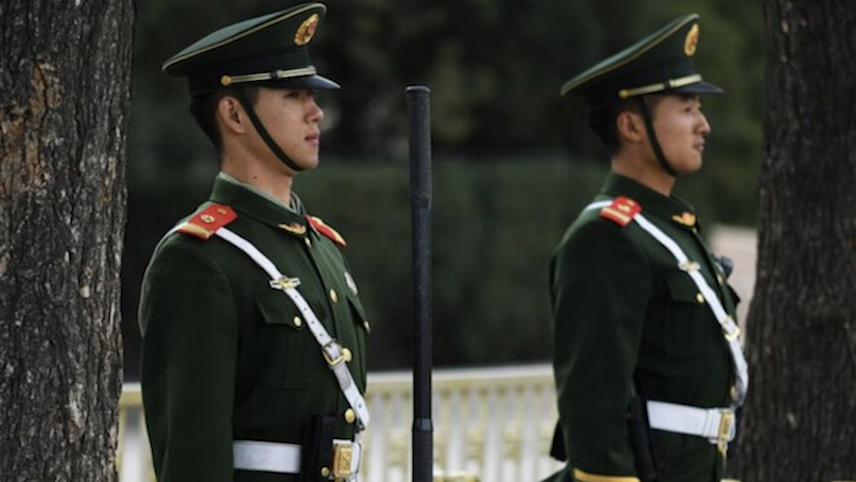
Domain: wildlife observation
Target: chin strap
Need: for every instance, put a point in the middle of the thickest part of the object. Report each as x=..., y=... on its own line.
x=652, y=136
x=248, y=106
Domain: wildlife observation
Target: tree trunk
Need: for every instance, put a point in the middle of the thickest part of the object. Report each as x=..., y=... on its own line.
x=65, y=73
x=800, y=420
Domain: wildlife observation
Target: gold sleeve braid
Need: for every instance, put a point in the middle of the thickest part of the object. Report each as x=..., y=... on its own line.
x=580, y=476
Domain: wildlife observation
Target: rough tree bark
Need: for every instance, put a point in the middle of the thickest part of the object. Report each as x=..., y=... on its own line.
x=65, y=73
x=800, y=420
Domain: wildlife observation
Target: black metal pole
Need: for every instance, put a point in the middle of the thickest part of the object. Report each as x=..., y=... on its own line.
x=419, y=114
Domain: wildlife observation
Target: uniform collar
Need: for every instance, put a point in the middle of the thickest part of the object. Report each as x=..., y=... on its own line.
x=249, y=203
x=670, y=208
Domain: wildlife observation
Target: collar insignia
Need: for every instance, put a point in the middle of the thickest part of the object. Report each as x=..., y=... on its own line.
x=326, y=230
x=294, y=228
x=686, y=218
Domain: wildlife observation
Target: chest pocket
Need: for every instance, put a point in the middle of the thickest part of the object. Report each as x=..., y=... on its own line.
x=361, y=330
x=287, y=354
x=690, y=329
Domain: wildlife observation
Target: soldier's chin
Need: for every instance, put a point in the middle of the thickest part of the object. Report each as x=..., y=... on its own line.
x=689, y=166
x=308, y=164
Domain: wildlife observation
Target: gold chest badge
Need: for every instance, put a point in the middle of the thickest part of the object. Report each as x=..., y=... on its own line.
x=686, y=218
x=294, y=228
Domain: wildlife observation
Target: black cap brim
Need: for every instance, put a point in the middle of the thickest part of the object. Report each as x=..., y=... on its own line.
x=698, y=88
x=315, y=82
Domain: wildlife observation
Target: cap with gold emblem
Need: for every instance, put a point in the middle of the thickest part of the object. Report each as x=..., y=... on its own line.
x=267, y=51
x=271, y=49
x=661, y=62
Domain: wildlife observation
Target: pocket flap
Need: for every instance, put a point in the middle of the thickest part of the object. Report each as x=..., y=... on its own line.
x=277, y=308
x=682, y=288
x=358, y=305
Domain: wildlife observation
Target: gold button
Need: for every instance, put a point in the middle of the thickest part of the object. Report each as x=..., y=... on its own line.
x=308, y=242
x=333, y=296
x=222, y=211
x=734, y=392
x=350, y=416
x=297, y=321
x=325, y=472
x=347, y=354
x=226, y=81
x=207, y=218
x=700, y=298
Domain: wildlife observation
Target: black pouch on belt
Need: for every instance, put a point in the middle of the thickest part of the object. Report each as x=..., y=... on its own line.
x=317, y=451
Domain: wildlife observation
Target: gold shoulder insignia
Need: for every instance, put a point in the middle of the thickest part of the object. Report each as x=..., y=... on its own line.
x=204, y=223
x=621, y=211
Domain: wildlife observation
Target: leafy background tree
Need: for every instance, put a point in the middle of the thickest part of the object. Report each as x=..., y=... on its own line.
x=514, y=163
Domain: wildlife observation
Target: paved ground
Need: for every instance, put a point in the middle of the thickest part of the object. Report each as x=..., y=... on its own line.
x=740, y=244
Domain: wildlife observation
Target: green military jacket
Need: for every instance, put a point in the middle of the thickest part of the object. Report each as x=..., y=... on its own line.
x=226, y=357
x=623, y=310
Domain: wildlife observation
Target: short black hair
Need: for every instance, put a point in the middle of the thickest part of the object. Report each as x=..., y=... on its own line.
x=603, y=122
x=203, y=108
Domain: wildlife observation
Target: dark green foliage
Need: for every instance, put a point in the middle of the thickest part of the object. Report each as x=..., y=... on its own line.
x=519, y=161
x=495, y=227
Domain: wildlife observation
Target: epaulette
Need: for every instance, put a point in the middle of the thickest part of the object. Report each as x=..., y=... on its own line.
x=205, y=222
x=322, y=228
x=621, y=211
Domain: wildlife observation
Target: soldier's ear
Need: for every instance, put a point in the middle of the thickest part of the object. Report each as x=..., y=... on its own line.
x=630, y=126
x=231, y=115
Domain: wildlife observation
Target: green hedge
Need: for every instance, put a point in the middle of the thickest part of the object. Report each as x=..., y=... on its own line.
x=495, y=227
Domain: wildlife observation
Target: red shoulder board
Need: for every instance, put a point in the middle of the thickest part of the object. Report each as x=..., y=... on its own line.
x=322, y=228
x=621, y=211
x=205, y=222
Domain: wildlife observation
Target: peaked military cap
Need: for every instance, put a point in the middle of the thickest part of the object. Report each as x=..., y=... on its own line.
x=661, y=62
x=271, y=48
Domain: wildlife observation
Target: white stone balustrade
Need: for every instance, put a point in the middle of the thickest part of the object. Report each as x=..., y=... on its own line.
x=490, y=424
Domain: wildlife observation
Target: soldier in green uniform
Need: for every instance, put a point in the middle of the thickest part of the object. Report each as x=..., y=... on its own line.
x=254, y=336
x=648, y=365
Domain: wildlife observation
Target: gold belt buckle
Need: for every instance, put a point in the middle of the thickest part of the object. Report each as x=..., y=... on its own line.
x=726, y=426
x=332, y=362
x=343, y=453
x=734, y=334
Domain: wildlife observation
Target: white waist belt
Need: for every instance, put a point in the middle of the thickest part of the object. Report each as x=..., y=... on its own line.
x=283, y=458
x=715, y=424
x=266, y=456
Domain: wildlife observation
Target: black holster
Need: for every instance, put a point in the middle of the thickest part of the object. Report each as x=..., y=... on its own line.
x=557, y=448
x=639, y=431
x=641, y=441
x=317, y=448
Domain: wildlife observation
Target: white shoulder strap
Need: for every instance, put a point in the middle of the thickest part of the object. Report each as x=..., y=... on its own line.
x=729, y=328
x=330, y=348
